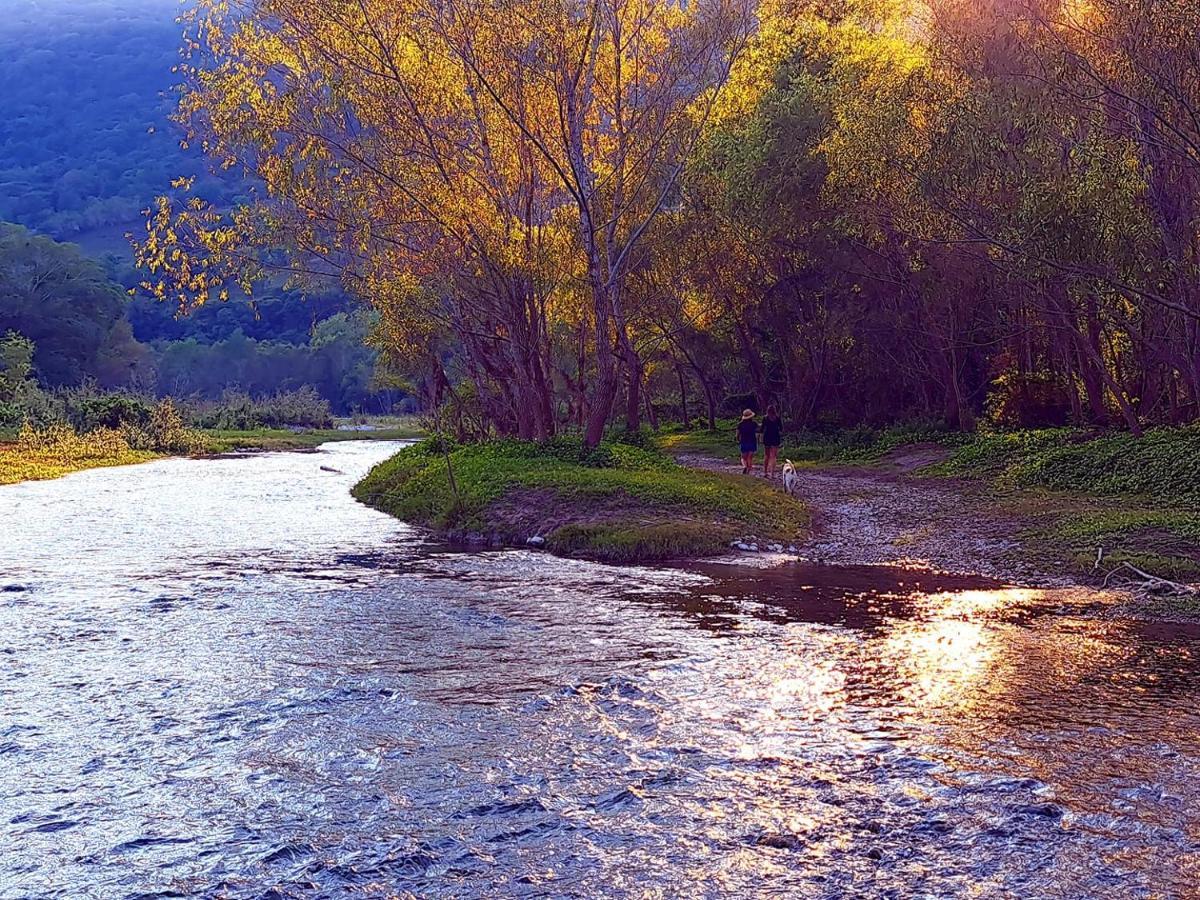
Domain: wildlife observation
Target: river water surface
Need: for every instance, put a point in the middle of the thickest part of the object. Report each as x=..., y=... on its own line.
x=225, y=678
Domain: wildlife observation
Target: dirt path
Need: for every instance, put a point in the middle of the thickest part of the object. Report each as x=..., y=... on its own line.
x=884, y=515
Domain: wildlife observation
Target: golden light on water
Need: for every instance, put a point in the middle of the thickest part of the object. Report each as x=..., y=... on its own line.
x=943, y=657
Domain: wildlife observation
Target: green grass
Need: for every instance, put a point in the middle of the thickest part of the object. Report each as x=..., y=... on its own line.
x=1163, y=465
x=617, y=502
x=848, y=447
x=1091, y=526
x=1138, y=498
x=1162, y=540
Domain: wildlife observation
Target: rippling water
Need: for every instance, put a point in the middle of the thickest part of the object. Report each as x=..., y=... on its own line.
x=226, y=679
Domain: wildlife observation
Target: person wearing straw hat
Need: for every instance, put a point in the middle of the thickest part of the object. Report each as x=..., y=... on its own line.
x=747, y=432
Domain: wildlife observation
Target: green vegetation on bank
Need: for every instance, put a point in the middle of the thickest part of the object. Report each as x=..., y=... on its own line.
x=57, y=453
x=846, y=446
x=51, y=452
x=83, y=428
x=618, y=502
x=1164, y=464
x=1137, y=498
x=58, y=450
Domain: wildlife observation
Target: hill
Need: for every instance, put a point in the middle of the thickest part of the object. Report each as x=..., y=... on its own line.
x=85, y=140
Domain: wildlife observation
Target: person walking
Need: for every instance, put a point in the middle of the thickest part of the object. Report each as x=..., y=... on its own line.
x=747, y=433
x=772, y=437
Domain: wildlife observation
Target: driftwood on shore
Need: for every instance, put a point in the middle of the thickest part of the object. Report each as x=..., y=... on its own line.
x=1143, y=580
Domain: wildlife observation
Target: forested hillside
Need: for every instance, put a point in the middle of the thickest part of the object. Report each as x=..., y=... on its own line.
x=84, y=329
x=85, y=146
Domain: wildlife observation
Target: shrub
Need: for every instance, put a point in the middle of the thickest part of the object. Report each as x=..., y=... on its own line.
x=238, y=411
x=164, y=432
x=87, y=411
x=304, y=408
x=1164, y=464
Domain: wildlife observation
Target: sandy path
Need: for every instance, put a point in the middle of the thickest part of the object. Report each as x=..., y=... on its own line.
x=872, y=516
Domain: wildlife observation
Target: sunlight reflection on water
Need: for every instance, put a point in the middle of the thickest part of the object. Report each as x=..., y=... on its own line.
x=225, y=678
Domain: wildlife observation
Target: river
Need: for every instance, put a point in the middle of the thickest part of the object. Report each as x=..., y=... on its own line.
x=225, y=678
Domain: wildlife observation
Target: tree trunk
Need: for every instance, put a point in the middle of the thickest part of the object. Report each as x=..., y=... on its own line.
x=634, y=372
x=651, y=415
x=753, y=359
x=683, y=407
x=710, y=397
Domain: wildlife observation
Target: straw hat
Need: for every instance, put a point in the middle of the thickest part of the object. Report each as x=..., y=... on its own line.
x=747, y=414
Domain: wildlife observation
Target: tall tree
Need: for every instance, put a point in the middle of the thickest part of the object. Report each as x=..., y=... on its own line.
x=421, y=147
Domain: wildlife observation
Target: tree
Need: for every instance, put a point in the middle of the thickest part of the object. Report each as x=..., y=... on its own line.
x=468, y=163
x=59, y=299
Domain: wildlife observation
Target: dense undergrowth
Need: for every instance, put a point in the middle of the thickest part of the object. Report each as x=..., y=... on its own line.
x=1137, y=499
x=1164, y=464
x=618, y=502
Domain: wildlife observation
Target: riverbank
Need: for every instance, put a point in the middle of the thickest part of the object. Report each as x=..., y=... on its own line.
x=617, y=503
x=67, y=452
x=21, y=462
x=1039, y=507
x=271, y=439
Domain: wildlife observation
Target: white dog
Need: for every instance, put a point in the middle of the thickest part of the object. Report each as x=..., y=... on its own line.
x=791, y=481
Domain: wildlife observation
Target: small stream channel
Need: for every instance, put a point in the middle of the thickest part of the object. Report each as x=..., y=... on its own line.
x=225, y=678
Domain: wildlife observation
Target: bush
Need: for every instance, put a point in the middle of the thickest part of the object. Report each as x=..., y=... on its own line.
x=164, y=432
x=303, y=408
x=1164, y=464
x=87, y=411
x=56, y=450
x=11, y=415
x=238, y=411
x=65, y=443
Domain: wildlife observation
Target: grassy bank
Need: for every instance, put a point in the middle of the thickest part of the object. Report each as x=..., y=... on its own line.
x=1137, y=498
x=618, y=502
x=59, y=451
x=66, y=452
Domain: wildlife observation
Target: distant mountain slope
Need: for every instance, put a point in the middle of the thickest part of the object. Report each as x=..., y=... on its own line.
x=85, y=143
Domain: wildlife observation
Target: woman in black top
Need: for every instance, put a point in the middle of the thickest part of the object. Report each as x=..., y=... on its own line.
x=747, y=432
x=772, y=434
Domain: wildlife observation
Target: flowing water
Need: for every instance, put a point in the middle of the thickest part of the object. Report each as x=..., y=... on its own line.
x=225, y=678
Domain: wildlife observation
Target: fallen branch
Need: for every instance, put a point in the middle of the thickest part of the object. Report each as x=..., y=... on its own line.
x=1153, y=583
